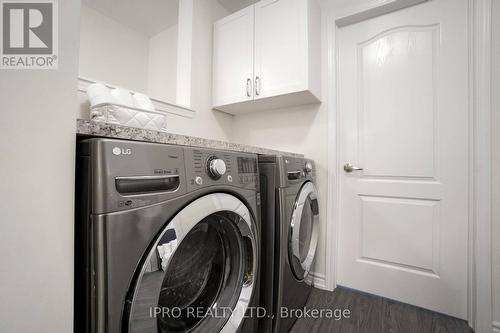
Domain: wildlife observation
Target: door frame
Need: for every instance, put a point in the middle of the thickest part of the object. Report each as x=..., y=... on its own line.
x=479, y=38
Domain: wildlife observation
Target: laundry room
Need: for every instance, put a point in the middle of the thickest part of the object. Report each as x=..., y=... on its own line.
x=246, y=166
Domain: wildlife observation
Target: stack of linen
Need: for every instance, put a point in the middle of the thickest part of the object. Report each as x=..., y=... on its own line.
x=122, y=107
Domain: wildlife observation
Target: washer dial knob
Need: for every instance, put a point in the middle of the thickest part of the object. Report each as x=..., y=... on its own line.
x=216, y=167
x=309, y=167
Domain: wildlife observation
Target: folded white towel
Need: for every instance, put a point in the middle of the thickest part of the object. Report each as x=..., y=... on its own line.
x=122, y=97
x=99, y=94
x=143, y=102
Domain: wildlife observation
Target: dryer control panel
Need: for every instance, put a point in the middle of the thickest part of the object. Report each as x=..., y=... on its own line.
x=294, y=170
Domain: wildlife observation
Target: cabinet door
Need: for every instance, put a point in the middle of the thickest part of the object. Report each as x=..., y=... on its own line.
x=280, y=47
x=233, y=58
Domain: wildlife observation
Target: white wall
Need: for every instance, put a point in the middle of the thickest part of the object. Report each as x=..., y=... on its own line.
x=496, y=161
x=207, y=123
x=301, y=129
x=37, y=145
x=117, y=47
x=162, y=65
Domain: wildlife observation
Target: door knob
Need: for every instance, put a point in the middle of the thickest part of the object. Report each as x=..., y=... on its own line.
x=350, y=168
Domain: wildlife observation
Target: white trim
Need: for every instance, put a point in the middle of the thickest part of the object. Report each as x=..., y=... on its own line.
x=382, y=9
x=496, y=326
x=160, y=105
x=184, y=52
x=318, y=280
x=331, y=256
x=480, y=264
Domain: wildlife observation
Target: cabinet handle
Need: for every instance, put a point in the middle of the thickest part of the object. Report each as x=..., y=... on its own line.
x=249, y=87
x=257, y=85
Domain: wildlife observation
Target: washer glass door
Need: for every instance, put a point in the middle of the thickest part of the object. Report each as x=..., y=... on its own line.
x=303, y=235
x=200, y=272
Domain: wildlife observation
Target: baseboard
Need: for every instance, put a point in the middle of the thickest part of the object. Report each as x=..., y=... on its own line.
x=496, y=327
x=318, y=280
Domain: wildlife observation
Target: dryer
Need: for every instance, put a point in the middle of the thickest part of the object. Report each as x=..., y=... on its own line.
x=290, y=226
x=167, y=238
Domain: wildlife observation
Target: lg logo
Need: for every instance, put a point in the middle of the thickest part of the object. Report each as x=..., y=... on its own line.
x=29, y=34
x=122, y=151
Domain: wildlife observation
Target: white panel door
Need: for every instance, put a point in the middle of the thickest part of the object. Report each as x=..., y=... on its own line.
x=403, y=118
x=233, y=58
x=280, y=47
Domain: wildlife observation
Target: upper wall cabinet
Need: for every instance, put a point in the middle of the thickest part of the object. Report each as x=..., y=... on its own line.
x=267, y=56
x=233, y=58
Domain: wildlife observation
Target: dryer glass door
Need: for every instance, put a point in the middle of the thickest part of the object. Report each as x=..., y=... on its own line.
x=303, y=236
x=200, y=273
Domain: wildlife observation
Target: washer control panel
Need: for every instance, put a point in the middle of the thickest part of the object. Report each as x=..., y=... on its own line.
x=298, y=169
x=216, y=167
x=247, y=170
x=206, y=167
x=308, y=167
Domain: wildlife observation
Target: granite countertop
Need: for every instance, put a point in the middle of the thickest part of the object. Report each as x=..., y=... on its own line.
x=92, y=128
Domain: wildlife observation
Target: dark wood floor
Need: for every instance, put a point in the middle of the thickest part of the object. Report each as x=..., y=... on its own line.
x=372, y=314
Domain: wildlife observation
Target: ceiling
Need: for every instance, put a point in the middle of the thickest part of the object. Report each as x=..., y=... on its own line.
x=148, y=17
x=348, y=3
x=235, y=5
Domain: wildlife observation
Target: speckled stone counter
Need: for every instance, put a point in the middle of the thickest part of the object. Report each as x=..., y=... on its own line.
x=91, y=128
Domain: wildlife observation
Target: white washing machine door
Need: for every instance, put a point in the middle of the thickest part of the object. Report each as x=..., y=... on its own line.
x=200, y=272
x=304, y=229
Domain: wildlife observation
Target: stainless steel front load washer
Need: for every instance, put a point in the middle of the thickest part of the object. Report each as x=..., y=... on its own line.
x=167, y=238
x=290, y=222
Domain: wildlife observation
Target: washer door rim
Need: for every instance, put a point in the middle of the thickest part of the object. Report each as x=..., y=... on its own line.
x=185, y=221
